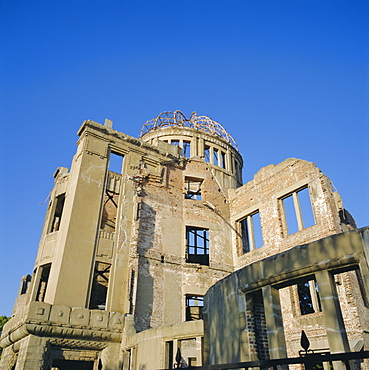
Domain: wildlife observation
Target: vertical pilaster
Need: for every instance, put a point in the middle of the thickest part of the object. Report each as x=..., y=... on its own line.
x=274, y=323
x=194, y=146
x=198, y=351
x=30, y=355
x=335, y=327
x=201, y=147
x=211, y=153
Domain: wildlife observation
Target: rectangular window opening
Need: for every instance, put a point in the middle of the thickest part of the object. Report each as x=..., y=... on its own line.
x=42, y=285
x=298, y=211
x=193, y=188
x=169, y=360
x=197, y=245
x=207, y=154
x=175, y=142
x=223, y=160
x=308, y=294
x=238, y=170
x=194, y=307
x=186, y=150
x=100, y=286
x=26, y=280
x=216, y=157
x=55, y=224
x=250, y=233
x=116, y=162
x=109, y=211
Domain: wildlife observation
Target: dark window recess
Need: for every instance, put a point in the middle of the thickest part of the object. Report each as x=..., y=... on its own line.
x=72, y=365
x=100, y=285
x=238, y=170
x=186, y=150
x=55, y=224
x=193, y=188
x=197, y=245
x=223, y=160
x=250, y=233
x=25, y=284
x=131, y=291
x=194, y=307
x=308, y=297
x=169, y=361
x=42, y=285
x=116, y=162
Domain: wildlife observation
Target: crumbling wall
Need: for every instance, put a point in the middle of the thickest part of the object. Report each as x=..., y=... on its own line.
x=162, y=275
x=266, y=192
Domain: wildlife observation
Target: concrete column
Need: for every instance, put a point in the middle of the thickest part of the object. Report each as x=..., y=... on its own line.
x=200, y=147
x=194, y=146
x=198, y=351
x=211, y=154
x=246, y=324
x=175, y=347
x=274, y=323
x=30, y=355
x=335, y=327
x=228, y=161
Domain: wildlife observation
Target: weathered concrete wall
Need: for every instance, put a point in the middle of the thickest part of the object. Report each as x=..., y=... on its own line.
x=120, y=245
x=164, y=276
x=225, y=303
x=149, y=349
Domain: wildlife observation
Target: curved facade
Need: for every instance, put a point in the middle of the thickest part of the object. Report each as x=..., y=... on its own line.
x=222, y=158
x=138, y=230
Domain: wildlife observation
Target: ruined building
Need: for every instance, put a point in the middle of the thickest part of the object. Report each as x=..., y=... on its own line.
x=139, y=230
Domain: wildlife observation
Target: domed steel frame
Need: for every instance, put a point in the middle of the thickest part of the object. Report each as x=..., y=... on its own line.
x=177, y=118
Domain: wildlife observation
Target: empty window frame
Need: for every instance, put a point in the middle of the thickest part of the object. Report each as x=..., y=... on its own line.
x=26, y=280
x=297, y=209
x=193, y=188
x=58, y=211
x=207, y=154
x=116, y=162
x=216, y=157
x=174, y=142
x=223, y=160
x=238, y=170
x=250, y=233
x=109, y=211
x=100, y=286
x=169, y=358
x=197, y=240
x=42, y=285
x=186, y=150
x=308, y=295
x=194, y=307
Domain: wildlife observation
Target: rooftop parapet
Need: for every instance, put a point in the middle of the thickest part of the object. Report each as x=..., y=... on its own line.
x=178, y=119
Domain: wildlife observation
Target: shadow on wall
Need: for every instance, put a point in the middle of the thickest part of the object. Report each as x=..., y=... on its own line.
x=145, y=282
x=226, y=313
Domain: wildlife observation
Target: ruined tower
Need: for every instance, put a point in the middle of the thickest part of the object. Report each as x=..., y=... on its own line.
x=138, y=230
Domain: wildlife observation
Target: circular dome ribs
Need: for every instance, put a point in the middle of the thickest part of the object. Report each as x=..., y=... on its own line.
x=178, y=119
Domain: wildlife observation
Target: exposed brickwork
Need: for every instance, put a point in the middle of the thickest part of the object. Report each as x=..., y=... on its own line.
x=133, y=224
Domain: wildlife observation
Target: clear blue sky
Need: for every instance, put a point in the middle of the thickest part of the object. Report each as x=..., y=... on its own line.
x=285, y=78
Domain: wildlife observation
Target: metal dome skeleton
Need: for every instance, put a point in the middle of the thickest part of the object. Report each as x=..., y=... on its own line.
x=178, y=119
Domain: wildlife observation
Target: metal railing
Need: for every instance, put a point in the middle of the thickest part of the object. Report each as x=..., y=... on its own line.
x=308, y=360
